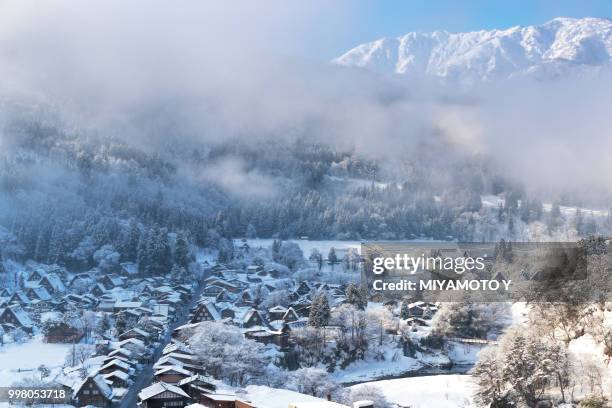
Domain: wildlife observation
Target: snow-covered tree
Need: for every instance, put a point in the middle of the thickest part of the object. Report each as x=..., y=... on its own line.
x=470, y=319
x=182, y=252
x=319, y=311
x=226, y=354
x=313, y=381
x=365, y=392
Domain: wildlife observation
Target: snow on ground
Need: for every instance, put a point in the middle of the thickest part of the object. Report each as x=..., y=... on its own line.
x=439, y=391
x=491, y=201
x=571, y=211
x=266, y=397
x=463, y=353
x=519, y=311
x=29, y=356
x=395, y=363
x=306, y=246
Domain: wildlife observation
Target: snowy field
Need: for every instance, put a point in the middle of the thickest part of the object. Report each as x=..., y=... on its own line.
x=439, y=391
x=29, y=356
x=266, y=397
x=306, y=246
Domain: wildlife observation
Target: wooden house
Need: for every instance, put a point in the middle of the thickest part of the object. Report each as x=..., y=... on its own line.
x=172, y=374
x=95, y=391
x=161, y=395
x=63, y=333
x=205, y=311
x=15, y=316
x=196, y=385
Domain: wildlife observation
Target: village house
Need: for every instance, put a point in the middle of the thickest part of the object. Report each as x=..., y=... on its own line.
x=253, y=318
x=19, y=298
x=95, y=391
x=116, y=365
x=112, y=281
x=63, y=333
x=196, y=385
x=14, y=317
x=53, y=284
x=98, y=290
x=36, y=275
x=172, y=374
x=37, y=293
x=277, y=312
x=304, y=289
x=221, y=401
x=205, y=311
x=136, y=333
x=161, y=395
x=118, y=379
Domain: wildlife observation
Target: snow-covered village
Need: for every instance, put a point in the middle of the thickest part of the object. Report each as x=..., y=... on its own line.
x=253, y=204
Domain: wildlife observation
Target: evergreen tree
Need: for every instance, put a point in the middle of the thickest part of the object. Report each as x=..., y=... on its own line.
x=404, y=310
x=317, y=258
x=182, y=255
x=320, y=311
x=129, y=247
x=2, y=268
x=276, y=246
x=357, y=296
x=250, y=231
x=144, y=257
x=332, y=258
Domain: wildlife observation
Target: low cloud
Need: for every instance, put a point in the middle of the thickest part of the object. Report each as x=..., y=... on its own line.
x=154, y=73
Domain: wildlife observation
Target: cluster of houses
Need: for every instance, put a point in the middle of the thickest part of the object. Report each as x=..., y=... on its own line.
x=234, y=297
x=41, y=290
x=146, y=318
x=139, y=310
x=180, y=380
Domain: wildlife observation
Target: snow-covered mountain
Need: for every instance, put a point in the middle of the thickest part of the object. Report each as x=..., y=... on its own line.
x=563, y=46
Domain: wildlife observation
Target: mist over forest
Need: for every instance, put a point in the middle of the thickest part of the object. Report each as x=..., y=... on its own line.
x=144, y=127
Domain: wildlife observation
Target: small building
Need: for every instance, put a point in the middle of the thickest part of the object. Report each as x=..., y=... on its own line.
x=63, y=333
x=253, y=318
x=205, y=311
x=136, y=333
x=118, y=379
x=161, y=395
x=16, y=317
x=52, y=283
x=277, y=312
x=196, y=385
x=94, y=390
x=172, y=374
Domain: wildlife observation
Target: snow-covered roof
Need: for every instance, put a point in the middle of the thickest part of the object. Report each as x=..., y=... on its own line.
x=21, y=315
x=132, y=340
x=174, y=368
x=221, y=397
x=166, y=361
x=55, y=282
x=127, y=304
x=119, y=374
x=212, y=310
x=158, y=388
x=104, y=388
x=123, y=351
x=176, y=345
x=137, y=331
x=41, y=292
x=196, y=377
x=118, y=363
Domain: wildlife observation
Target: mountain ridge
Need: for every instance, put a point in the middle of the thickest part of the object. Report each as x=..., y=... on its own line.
x=561, y=46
